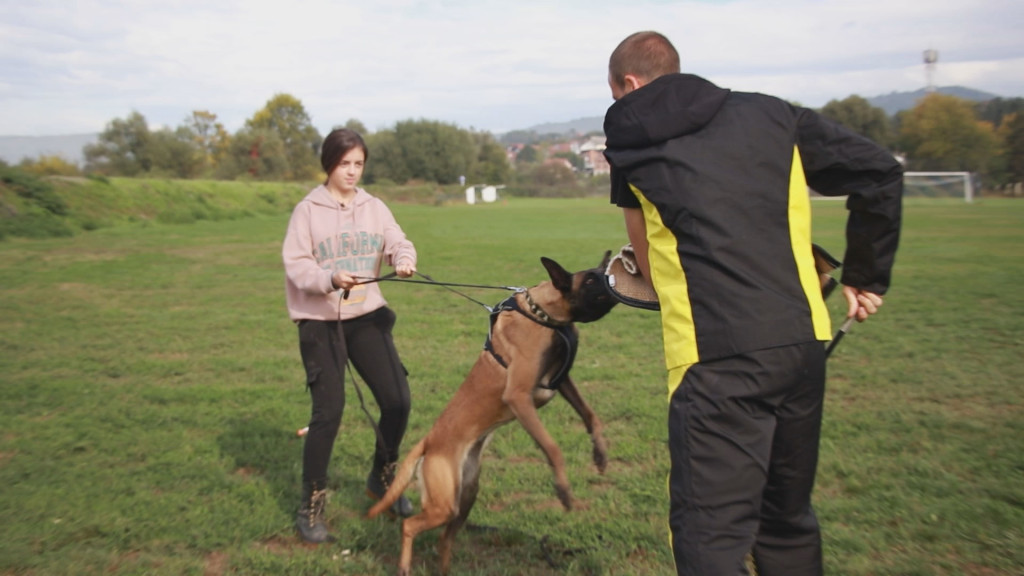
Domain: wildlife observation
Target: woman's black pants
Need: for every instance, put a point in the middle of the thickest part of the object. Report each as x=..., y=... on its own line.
x=326, y=348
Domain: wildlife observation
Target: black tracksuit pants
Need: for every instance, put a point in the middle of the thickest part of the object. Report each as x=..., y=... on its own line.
x=326, y=348
x=743, y=437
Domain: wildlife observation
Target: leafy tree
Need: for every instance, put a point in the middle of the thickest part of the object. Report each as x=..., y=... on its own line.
x=175, y=153
x=357, y=126
x=386, y=161
x=434, y=151
x=1013, y=135
x=859, y=115
x=999, y=110
x=122, y=149
x=491, y=161
x=420, y=150
x=575, y=159
x=209, y=136
x=943, y=133
x=255, y=154
x=554, y=174
x=528, y=155
x=285, y=116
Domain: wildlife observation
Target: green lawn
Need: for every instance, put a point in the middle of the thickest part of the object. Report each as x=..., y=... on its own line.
x=150, y=389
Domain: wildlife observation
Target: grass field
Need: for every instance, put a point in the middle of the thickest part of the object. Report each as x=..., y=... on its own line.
x=150, y=389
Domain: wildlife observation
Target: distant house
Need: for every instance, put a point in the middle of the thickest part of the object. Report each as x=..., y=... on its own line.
x=560, y=162
x=592, y=152
x=561, y=147
x=512, y=150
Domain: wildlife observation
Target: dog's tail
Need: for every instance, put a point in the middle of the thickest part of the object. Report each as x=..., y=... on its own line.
x=403, y=476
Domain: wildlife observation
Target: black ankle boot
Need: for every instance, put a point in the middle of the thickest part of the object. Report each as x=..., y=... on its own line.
x=377, y=484
x=310, y=517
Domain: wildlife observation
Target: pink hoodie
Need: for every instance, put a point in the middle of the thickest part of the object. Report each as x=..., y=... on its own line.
x=323, y=237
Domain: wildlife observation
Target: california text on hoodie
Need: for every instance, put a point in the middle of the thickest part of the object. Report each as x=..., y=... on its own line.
x=324, y=237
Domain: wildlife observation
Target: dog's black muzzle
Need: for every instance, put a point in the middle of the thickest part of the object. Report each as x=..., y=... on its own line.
x=593, y=299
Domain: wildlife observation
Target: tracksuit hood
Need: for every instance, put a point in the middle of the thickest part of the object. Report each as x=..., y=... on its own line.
x=321, y=196
x=669, y=107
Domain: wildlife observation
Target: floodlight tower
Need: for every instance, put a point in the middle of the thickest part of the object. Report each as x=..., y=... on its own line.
x=930, y=58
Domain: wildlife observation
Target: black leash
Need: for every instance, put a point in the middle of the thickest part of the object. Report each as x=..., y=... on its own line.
x=428, y=280
x=369, y=417
x=839, y=336
x=355, y=384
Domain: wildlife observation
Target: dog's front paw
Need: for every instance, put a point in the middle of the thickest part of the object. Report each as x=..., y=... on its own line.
x=600, y=454
x=565, y=496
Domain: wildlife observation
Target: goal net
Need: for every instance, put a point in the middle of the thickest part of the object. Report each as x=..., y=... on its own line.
x=939, y=185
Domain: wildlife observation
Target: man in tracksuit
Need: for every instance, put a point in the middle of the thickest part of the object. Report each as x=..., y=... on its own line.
x=714, y=188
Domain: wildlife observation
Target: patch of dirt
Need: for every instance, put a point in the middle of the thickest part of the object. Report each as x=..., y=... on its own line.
x=284, y=545
x=129, y=558
x=216, y=563
x=5, y=456
x=246, y=472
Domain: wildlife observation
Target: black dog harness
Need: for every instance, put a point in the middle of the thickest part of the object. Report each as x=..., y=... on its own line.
x=565, y=331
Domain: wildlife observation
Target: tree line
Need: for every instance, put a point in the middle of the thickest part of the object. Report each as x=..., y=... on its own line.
x=279, y=142
x=945, y=133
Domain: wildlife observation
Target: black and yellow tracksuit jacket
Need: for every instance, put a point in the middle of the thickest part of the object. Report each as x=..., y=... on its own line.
x=722, y=178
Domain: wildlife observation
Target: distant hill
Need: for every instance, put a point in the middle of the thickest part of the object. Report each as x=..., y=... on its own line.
x=533, y=134
x=69, y=147
x=897, y=101
x=579, y=125
x=891, y=103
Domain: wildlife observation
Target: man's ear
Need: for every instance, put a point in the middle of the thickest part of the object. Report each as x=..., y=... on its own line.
x=631, y=82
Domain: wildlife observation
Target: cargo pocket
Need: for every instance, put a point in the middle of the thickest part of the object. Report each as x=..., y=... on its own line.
x=310, y=345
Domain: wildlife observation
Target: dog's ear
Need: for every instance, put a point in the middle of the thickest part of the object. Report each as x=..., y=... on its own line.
x=604, y=262
x=560, y=277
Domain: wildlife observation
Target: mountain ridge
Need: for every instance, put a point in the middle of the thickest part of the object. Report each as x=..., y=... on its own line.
x=891, y=103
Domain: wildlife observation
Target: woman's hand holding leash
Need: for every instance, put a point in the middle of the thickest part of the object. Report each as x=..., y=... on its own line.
x=342, y=281
x=345, y=282
x=405, y=269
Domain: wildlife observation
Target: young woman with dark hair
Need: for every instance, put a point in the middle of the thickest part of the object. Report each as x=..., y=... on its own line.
x=336, y=233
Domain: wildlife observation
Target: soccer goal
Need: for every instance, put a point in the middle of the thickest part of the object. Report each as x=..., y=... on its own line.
x=939, y=185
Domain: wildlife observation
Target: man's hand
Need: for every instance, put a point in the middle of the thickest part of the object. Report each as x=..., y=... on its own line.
x=405, y=270
x=861, y=303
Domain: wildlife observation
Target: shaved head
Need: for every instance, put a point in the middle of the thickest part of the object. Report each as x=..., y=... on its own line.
x=646, y=55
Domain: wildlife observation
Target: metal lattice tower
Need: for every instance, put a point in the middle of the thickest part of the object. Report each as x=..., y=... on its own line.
x=930, y=58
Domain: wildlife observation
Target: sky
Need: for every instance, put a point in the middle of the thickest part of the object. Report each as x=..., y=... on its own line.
x=72, y=67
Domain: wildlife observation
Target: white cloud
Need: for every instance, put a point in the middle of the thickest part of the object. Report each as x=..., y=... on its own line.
x=73, y=67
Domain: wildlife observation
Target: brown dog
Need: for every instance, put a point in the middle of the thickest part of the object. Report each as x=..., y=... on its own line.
x=525, y=362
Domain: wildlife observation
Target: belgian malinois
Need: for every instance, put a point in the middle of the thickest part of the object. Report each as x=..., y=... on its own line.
x=525, y=362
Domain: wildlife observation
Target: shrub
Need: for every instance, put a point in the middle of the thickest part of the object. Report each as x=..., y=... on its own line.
x=37, y=191
x=35, y=225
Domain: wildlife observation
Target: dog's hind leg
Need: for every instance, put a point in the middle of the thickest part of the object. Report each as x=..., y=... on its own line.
x=438, y=505
x=590, y=420
x=467, y=497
